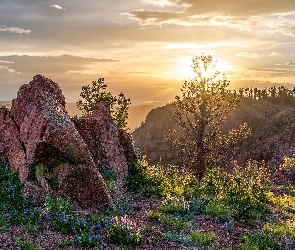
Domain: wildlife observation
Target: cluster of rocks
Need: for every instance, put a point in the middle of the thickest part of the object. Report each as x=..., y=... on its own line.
x=57, y=154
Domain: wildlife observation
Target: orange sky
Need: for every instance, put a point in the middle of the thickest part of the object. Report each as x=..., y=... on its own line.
x=144, y=47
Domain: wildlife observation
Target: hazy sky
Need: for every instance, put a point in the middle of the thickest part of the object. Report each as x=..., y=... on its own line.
x=144, y=47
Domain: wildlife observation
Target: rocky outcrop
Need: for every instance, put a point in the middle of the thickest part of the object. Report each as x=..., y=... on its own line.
x=11, y=146
x=131, y=152
x=46, y=147
x=101, y=136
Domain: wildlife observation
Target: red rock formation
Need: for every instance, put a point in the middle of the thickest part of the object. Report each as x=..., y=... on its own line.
x=38, y=133
x=131, y=152
x=10, y=144
x=101, y=136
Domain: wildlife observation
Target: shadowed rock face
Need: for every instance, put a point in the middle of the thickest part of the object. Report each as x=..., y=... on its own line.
x=40, y=141
x=101, y=136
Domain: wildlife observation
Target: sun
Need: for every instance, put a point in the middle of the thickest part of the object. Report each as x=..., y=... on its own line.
x=184, y=69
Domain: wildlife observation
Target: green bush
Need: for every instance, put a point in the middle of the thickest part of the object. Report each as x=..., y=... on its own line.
x=258, y=242
x=175, y=205
x=208, y=239
x=26, y=245
x=144, y=178
x=123, y=236
x=215, y=209
x=59, y=205
x=245, y=191
x=110, y=178
x=14, y=208
x=176, y=237
x=161, y=181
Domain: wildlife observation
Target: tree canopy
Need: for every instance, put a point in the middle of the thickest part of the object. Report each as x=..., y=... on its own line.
x=200, y=110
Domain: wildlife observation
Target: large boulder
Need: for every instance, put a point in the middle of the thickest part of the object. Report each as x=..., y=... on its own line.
x=101, y=136
x=11, y=146
x=48, y=144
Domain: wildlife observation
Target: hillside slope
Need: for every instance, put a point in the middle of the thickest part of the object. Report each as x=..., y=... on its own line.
x=273, y=132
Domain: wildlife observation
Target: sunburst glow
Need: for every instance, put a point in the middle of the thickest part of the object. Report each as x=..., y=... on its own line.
x=184, y=68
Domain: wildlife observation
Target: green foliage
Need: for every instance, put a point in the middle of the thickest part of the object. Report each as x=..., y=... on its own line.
x=14, y=208
x=26, y=245
x=62, y=216
x=4, y=224
x=289, y=163
x=65, y=243
x=204, y=238
x=197, y=205
x=110, y=179
x=88, y=239
x=258, y=242
x=215, y=209
x=176, y=237
x=154, y=216
x=175, y=205
x=59, y=205
x=119, y=208
x=175, y=222
x=161, y=181
x=148, y=229
x=120, y=235
x=92, y=95
x=245, y=191
x=144, y=178
x=200, y=111
x=280, y=230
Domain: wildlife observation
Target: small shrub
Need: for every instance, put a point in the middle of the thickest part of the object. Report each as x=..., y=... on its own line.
x=147, y=229
x=59, y=206
x=119, y=208
x=176, y=237
x=65, y=243
x=120, y=235
x=214, y=209
x=245, y=191
x=153, y=216
x=145, y=178
x=26, y=245
x=4, y=224
x=258, y=242
x=208, y=239
x=280, y=230
x=175, y=205
x=161, y=181
x=87, y=239
x=110, y=179
x=14, y=207
x=175, y=222
x=197, y=205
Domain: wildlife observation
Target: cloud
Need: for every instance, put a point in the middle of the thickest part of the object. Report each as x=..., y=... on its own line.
x=291, y=63
x=274, y=54
x=15, y=30
x=56, y=6
x=50, y=64
x=248, y=54
x=218, y=12
x=237, y=8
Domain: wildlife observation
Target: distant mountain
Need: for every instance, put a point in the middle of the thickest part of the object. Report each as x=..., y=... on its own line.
x=273, y=132
x=137, y=114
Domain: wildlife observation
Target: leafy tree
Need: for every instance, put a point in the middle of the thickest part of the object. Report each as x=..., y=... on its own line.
x=199, y=113
x=92, y=95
